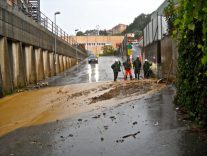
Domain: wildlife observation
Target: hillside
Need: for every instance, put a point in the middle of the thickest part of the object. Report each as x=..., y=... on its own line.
x=138, y=25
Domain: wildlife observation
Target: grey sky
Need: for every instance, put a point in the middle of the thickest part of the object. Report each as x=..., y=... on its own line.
x=87, y=14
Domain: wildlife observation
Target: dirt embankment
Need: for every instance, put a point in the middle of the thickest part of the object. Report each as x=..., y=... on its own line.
x=56, y=103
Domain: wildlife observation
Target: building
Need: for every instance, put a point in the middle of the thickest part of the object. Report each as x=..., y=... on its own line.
x=118, y=29
x=96, y=43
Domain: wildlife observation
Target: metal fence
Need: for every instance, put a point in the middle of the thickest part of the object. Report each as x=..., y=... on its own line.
x=155, y=30
x=42, y=19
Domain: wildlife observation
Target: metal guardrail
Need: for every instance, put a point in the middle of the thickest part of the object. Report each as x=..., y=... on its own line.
x=42, y=20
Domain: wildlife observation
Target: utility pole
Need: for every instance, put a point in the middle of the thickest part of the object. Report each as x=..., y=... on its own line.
x=56, y=13
x=97, y=29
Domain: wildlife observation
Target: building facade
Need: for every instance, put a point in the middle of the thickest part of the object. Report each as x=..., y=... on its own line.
x=118, y=29
x=95, y=44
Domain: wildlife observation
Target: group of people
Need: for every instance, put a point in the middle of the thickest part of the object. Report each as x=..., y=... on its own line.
x=128, y=65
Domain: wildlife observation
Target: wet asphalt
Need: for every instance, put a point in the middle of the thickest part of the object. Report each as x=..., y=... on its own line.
x=149, y=126
x=87, y=73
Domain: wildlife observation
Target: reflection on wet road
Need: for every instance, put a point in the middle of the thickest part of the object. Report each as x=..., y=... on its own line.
x=93, y=73
x=87, y=73
x=147, y=126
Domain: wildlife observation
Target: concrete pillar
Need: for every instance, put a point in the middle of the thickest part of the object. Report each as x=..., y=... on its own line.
x=64, y=63
x=70, y=63
x=46, y=63
x=39, y=64
x=61, y=63
x=73, y=61
x=67, y=62
x=18, y=65
x=1, y=84
x=30, y=65
x=52, y=64
x=57, y=64
x=5, y=67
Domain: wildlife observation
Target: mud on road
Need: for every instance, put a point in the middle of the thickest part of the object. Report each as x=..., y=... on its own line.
x=57, y=103
x=126, y=89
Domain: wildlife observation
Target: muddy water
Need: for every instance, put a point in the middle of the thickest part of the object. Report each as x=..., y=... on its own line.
x=140, y=125
x=56, y=103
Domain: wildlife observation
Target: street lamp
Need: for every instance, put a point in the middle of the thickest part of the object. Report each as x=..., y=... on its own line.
x=97, y=29
x=76, y=53
x=56, y=13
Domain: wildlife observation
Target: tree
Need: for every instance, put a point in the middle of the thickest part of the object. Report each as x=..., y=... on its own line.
x=188, y=22
x=103, y=32
x=108, y=50
x=138, y=25
x=79, y=33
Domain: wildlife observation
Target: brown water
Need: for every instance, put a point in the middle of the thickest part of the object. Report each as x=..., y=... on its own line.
x=56, y=103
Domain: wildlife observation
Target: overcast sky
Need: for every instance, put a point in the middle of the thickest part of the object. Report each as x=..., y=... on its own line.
x=87, y=14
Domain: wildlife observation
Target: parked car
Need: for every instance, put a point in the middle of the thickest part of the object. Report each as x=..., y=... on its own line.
x=92, y=59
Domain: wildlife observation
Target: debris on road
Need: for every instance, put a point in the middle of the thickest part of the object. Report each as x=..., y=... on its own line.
x=74, y=99
x=106, y=127
x=124, y=90
x=80, y=120
x=120, y=141
x=96, y=117
x=156, y=124
x=133, y=135
x=112, y=118
x=70, y=135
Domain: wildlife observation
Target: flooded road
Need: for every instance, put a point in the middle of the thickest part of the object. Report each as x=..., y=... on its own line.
x=87, y=73
x=87, y=114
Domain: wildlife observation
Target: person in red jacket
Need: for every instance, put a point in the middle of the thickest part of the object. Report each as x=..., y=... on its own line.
x=127, y=66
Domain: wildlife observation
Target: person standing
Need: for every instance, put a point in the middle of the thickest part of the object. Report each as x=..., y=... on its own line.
x=116, y=68
x=127, y=66
x=137, y=66
x=147, y=70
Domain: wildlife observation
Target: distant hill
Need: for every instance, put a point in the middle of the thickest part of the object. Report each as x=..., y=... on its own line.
x=138, y=25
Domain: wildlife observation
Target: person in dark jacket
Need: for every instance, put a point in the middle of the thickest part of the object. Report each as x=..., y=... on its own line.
x=137, y=66
x=127, y=66
x=116, y=68
x=147, y=70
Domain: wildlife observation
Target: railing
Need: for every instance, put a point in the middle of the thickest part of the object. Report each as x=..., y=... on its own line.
x=41, y=19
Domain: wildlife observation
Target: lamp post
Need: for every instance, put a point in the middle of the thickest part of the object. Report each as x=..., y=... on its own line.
x=56, y=13
x=97, y=29
x=76, y=53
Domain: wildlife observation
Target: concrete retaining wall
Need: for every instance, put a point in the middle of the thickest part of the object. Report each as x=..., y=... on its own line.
x=17, y=26
x=169, y=55
x=163, y=55
x=27, y=51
